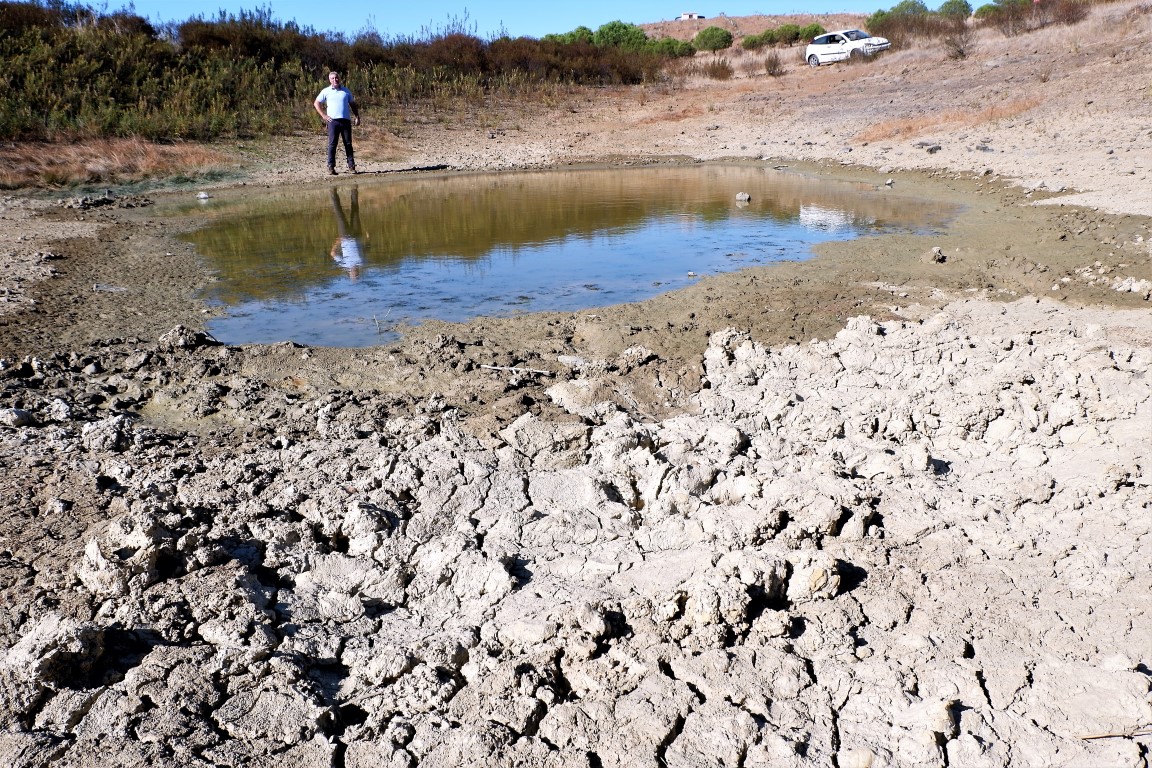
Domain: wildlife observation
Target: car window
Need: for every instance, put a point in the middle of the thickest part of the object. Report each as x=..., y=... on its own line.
x=822, y=40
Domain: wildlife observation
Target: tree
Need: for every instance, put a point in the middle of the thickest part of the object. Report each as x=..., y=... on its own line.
x=620, y=35
x=955, y=9
x=713, y=39
x=909, y=8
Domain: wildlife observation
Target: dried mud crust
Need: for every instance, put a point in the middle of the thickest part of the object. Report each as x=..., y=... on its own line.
x=887, y=507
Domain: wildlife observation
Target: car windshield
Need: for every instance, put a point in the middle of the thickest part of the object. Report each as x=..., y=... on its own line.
x=856, y=34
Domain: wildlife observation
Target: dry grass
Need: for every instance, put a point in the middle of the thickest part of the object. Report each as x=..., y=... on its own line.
x=98, y=161
x=673, y=117
x=905, y=127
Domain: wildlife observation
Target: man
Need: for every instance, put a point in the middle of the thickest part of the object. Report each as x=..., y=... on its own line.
x=339, y=110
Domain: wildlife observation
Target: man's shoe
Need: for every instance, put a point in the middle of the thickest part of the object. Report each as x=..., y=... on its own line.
x=351, y=169
x=332, y=170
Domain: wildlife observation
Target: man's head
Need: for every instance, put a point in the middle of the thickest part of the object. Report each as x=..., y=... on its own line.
x=334, y=78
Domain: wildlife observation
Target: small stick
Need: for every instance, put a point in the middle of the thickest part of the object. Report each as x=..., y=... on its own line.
x=377, y=324
x=514, y=369
x=1129, y=735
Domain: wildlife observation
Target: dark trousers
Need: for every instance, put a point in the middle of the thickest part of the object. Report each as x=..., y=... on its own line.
x=340, y=130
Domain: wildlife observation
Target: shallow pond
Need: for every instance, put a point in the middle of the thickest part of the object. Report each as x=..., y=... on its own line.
x=341, y=266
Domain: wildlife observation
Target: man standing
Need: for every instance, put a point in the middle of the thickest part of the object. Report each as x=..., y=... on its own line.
x=338, y=108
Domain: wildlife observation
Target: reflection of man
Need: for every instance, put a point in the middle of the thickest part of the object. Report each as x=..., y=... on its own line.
x=346, y=249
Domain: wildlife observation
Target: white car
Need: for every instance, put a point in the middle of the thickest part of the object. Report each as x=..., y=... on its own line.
x=837, y=46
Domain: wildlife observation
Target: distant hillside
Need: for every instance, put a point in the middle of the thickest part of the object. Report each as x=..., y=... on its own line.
x=740, y=26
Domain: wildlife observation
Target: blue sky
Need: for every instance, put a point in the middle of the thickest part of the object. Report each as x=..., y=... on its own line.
x=486, y=19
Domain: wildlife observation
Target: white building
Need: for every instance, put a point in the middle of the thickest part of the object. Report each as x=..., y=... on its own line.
x=689, y=15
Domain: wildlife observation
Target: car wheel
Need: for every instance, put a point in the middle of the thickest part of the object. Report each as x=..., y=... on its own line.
x=855, y=54
x=813, y=61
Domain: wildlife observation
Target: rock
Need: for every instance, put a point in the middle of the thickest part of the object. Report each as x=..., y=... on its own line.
x=16, y=417
x=934, y=256
x=114, y=434
x=185, y=338
x=57, y=650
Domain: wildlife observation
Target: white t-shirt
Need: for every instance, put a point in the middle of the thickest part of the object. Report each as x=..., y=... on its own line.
x=338, y=102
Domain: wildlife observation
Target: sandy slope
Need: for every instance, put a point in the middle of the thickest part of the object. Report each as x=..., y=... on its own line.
x=920, y=538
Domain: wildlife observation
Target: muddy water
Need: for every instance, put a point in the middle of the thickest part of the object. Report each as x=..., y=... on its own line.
x=341, y=266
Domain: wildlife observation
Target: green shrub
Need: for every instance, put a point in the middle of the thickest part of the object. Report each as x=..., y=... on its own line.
x=787, y=34
x=713, y=39
x=811, y=31
x=754, y=42
x=581, y=34
x=670, y=47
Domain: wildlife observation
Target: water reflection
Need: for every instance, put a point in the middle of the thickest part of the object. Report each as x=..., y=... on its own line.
x=334, y=266
x=346, y=250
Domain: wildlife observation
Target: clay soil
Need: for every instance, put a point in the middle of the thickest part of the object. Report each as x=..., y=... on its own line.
x=602, y=538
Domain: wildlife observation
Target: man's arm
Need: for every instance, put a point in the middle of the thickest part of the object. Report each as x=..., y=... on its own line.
x=355, y=109
x=319, y=106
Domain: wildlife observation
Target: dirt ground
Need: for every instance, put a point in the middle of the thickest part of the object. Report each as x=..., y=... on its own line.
x=176, y=510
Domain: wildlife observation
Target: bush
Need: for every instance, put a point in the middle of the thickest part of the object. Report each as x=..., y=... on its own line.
x=718, y=69
x=754, y=42
x=126, y=24
x=910, y=20
x=961, y=43
x=579, y=35
x=811, y=31
x=773, y=65
x=670, y=47
x=1069, y=12
x=787, y=34
x=713, y=39
x=1011, y=17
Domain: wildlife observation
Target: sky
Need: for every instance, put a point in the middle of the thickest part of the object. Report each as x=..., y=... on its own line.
x=531, y=18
